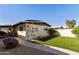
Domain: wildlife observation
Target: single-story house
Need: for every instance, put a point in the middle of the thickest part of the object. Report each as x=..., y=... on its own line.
x=31, y=29
x=28, y=29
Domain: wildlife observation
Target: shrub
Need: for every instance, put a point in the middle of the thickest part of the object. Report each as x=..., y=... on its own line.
x=2, y=33
x=51, y=31
x=76, y=30
x=44, y=38
x=10, y=42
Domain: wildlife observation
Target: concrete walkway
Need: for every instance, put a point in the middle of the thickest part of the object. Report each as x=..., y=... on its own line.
x=50, y=49
x=65, y=50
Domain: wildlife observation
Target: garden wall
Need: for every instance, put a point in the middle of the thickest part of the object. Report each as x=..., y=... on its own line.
x=66, y=32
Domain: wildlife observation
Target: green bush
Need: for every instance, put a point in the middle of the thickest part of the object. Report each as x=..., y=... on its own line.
x=2, y=33
x=76, y=30
x=51, y=31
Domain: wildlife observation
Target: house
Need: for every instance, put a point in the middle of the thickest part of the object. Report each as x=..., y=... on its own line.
x=6, y=28
x=28, y=29
x=31, y=29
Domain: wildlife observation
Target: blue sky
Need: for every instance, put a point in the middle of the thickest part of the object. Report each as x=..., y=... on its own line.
x=54, y=14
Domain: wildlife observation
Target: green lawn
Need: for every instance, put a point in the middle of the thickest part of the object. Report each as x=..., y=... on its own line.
x=63, y=42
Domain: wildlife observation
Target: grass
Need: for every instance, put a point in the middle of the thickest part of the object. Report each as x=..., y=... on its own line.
x=63, y=42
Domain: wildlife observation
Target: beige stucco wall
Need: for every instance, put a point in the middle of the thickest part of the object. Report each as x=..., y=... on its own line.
x=66, y=32
x=41, y=32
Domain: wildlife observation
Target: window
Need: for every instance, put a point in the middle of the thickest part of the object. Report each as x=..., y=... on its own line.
x=21, y=28
x=36, y=29
x=32, y=28
x=45, y=29
x=27, y=25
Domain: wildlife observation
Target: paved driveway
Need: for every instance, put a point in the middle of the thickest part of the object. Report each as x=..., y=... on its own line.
x=23, y=50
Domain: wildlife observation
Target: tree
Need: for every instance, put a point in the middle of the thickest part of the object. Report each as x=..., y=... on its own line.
x=76, y=30
x=70, y=23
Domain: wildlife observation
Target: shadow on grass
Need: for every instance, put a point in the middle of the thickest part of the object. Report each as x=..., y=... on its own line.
x=46, y=38
x=34, y=42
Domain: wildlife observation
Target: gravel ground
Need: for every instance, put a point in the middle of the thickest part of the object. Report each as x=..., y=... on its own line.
x=22, y=50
